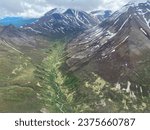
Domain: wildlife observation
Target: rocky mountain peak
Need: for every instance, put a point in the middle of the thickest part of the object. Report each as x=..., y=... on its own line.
x=55, y=10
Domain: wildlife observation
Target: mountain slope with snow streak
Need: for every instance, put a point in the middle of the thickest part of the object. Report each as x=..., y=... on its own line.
x=115, y=48
x=63, y=21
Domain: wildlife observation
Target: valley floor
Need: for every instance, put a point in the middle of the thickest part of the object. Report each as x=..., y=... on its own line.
x=45, y=86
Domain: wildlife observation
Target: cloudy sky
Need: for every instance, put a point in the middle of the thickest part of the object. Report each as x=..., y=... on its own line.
x=36, y=8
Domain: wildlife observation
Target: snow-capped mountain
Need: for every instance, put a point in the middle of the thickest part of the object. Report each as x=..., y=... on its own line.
x=117, y=49
x=101, y=14
x=63, y=21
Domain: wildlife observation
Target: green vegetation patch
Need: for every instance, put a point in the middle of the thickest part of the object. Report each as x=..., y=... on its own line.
x=18, y=99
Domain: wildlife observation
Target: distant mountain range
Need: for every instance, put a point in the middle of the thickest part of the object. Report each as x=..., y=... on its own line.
x=59, y=21
x=101, y=15
x=16, y=21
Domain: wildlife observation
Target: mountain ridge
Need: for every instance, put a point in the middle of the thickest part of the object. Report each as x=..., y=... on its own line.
x=62, y=22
